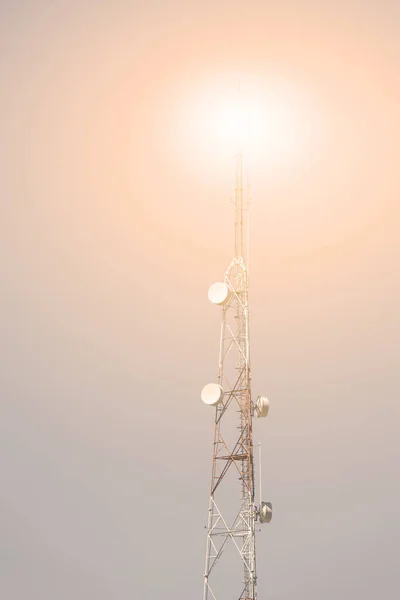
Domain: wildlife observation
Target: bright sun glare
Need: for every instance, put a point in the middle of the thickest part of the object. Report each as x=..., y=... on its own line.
x=272, y=122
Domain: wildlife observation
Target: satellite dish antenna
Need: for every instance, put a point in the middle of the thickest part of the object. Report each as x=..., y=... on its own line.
x=265, y=512
x=212, y=394
x=262, y=406
x=218, y=293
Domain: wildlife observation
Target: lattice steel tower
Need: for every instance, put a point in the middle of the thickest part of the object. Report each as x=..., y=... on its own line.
x=230, y=569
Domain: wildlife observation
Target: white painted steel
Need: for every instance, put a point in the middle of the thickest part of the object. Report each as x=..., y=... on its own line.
x=233, y=449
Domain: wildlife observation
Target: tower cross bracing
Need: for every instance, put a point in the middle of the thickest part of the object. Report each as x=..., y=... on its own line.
x=232, y=519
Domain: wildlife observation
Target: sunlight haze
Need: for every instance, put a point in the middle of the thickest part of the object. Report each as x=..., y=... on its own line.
x=117, y=162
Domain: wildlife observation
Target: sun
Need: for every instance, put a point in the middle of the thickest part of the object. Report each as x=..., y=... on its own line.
x=233, y=122
x=270, y=120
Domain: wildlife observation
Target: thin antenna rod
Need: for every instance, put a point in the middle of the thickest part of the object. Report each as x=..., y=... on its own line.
x=239, y=206
x=248, y=230
x=259, y=462
x=239, y=238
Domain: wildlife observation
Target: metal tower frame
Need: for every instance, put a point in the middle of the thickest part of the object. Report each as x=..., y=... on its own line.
x=233, y=448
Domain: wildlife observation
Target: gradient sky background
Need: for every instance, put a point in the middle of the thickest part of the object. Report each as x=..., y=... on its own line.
x=114, y=222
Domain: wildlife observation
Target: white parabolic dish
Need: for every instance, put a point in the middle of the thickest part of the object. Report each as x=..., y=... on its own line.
x=212, y=394
x=265, y=512
x=218, y=293
x=262, y=406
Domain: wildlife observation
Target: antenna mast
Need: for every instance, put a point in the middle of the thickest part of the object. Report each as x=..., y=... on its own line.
x=230, y=566
x=239, y=206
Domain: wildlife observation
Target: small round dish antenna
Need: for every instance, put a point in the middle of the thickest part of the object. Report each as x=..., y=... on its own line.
x=265, y=512
x=218, y=293
x=212, y=394
x=262, y=406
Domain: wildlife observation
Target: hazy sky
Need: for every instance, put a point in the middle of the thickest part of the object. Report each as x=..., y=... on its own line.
x=115, y=218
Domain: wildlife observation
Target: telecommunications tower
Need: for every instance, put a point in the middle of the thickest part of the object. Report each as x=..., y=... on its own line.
x=230, y=566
